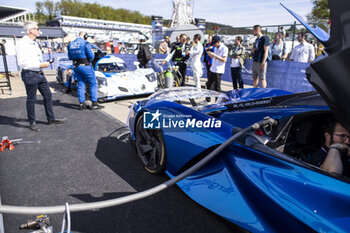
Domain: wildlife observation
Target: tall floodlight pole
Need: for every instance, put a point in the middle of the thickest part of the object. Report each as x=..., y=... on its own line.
x=182, y=12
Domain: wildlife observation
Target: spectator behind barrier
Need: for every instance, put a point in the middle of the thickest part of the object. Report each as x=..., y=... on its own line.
x=303, y=52
x=237, y=61
x=217, y=68
x=208, y=60
x=279, y=48
x=260, y=53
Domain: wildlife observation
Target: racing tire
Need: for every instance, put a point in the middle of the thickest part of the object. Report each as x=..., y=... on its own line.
x=150, y=148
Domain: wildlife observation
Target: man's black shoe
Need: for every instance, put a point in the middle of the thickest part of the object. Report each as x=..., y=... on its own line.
x=96, y=106
x=68, y=90
x=34, y=127
x=55, y=122
x=83, y=106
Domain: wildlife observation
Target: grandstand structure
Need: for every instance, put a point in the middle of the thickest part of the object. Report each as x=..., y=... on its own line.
x=14, y=15
x=11, y=27
x=12, y=18
x=104, y=30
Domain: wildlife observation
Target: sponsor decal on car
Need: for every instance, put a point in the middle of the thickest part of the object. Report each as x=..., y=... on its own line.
x=158, y=120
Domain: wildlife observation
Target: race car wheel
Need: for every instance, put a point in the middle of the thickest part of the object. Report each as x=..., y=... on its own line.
x=150, y=148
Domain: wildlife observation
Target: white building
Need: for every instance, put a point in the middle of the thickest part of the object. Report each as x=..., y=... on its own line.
x=104, y=30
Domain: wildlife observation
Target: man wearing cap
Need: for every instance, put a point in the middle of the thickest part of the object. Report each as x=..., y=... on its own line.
x=217, y=68
x=80, y=52
x=30, y=60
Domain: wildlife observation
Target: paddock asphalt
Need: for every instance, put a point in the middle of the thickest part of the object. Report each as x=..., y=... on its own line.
x=88, y=159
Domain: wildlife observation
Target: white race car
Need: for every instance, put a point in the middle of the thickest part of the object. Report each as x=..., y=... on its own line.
x=114, y=79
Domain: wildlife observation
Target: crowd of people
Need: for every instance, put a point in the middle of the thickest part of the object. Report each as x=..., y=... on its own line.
x=336, y=137
x=182, y=52
x=185, y=52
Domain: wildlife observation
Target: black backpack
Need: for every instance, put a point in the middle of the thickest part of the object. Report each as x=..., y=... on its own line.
x=148, y=54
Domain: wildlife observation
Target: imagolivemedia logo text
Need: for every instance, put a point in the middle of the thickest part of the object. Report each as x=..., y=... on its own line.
x=158, y=120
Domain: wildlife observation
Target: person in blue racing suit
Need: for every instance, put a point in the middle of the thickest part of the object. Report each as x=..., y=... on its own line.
x=80, y=52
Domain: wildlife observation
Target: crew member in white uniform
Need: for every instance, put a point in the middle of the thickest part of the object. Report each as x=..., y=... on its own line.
x=196, y=64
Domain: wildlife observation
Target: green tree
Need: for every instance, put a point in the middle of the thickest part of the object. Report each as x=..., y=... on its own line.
x=320, y=11
x=47, y=10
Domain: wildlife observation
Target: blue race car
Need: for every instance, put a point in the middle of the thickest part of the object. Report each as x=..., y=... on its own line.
x=261, y=181
x=114, y=79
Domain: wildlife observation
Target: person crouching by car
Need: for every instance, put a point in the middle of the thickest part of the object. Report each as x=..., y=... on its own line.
x=80, y=52
x=144, y=54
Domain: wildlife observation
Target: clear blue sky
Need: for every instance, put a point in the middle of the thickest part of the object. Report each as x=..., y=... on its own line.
x=231, y=12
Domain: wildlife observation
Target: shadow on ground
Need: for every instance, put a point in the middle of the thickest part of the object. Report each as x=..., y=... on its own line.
x=168, y=211
x=87, y=159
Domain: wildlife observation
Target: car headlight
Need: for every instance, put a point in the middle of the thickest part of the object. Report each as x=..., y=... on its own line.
x=102, y=81
x=151, y=77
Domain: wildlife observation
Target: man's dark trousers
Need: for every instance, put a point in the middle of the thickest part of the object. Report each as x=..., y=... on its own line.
x=208, y=70
x=34, y=81
x=143, y=64
x=214, y=81
x=183, y=70
x=236, y=74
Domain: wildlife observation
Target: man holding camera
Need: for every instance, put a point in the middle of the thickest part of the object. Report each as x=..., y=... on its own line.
x=30, y=60
x=217, y=68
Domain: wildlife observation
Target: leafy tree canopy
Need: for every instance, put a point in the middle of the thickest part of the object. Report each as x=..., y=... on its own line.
x=320, y=11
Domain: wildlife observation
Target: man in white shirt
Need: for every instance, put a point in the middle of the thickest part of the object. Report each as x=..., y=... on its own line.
x=196, y=63
x=303, y=52
x=217, y=68
x=30, y=60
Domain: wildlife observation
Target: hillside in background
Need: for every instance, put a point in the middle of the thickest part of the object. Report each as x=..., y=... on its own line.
x=48, y=10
